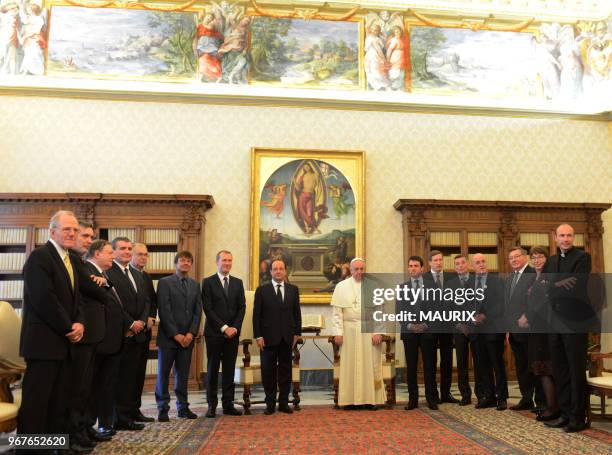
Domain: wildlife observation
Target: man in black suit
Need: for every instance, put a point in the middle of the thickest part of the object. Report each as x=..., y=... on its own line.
x=464, y=338
x=108, y=352
x=569, y=271
x=129, y=284
x=411, y=332
x=277, y=324
x=52, y=324
x=516, y=292
x=438, y=335
x=92, y=298
x=180, y=310
x=140, y=256
x=224, y=305
x=491, y=337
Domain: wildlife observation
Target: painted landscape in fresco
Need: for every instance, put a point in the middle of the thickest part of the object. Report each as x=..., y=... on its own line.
x=122, y=43
x=315, y=53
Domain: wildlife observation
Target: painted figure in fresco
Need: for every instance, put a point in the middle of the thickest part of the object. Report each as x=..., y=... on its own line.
x=571, y=66
x=597, y=54
x=32, y=40
x=396, y=58
x=308, y=193
x=339, y=197
x=276, y=204
x=549, y=68
x=9, y=38
x=209, y=39
x=375, y=60
x=233, y=51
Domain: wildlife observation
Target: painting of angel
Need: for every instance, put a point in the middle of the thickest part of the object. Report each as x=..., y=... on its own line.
x=385, y=51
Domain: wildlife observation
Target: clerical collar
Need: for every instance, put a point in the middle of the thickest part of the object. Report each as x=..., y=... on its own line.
x=564, y=253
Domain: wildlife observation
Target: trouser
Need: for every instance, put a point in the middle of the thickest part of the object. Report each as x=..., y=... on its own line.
x=528, y=383
x=462, y=348
x=106, y=376
x=81, y=387
x=222, y=352
x=129, y=382
x=180, y=359
x=142, y=371
x=493, y=372
x=276, y=370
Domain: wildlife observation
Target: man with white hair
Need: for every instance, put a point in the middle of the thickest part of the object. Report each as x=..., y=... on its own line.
x=361, y=382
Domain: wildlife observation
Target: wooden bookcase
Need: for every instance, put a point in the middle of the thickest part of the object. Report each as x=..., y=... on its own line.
x=166, y=223
x=493, y=228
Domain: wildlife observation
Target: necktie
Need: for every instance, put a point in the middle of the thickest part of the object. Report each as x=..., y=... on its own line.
x=463, y=282
x=184, y=284
x=225, y=286
x=279, y=294
x=479, y=282
x=515, y=278
x=69, y=269
x=127, y=274
x=438, y=282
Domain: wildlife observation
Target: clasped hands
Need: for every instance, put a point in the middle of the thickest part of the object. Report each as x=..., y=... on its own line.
x=76, y=334
x=230, y=332
x=184, y=340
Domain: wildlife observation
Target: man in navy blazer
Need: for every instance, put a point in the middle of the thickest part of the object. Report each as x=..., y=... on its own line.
x=224, y=305
x=277, y=323
x=179, y=305
x=52, y=323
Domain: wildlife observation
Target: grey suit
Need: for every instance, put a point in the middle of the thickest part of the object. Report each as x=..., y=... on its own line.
x=179, y=306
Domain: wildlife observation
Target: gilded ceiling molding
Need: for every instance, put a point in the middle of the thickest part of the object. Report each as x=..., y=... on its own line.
x=473, y=25
x=304, y=13
x=131, y=4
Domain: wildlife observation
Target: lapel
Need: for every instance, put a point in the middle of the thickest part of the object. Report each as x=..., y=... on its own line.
x=220, y=286
x=179, y=285
x=280, y=302
x=126, y=281
x=58, y=260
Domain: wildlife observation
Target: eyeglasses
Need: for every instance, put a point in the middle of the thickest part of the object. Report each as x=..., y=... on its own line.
x=535, y=258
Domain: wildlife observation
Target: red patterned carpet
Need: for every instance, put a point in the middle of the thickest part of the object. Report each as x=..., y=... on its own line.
x=323, y=430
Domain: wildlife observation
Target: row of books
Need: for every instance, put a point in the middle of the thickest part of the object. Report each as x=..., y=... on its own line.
x=13, y=236
x=41, y=236
x=448, y=262
x=11, y=289
x=161, y=260
x=163, y=236
x=121, y=232
x=12, y=261
x=444, y=239
x=482, y=239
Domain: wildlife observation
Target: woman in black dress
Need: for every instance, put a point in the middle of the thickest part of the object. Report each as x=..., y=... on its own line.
x=538, y=320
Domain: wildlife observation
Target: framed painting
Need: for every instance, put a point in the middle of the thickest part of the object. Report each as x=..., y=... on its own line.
x=307, y=208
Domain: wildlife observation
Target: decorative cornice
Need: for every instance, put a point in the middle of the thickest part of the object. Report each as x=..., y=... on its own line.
x=424, y=204
x=204, y=201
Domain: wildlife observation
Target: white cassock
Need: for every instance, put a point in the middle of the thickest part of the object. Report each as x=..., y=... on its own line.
x=361, y=380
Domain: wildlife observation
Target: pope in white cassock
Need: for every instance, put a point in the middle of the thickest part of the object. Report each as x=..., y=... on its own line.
x=361, y=381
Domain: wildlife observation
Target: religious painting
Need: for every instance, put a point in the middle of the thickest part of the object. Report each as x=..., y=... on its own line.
x=307, y=208
x=305, y=53
x=116, y=43
x=385, y=51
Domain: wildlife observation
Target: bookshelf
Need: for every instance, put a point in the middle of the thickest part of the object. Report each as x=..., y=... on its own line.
x=165, y=223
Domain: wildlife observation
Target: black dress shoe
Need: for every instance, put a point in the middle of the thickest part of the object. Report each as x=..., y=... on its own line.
x=107, y=431
x=575, y=427
x=485, y=403
x=129, y=426
x=433, y=406
x=140, y=417
x=502, y=405
x=82, y=440
x=97, y=436
x=285, y=408
x=269, y=410
x=412, y=404
x=211, y=413
x=163, y=416
x=370, y=407
x=449, y=399
x=559, y=423
x=231, y=412
x=522, y=406
x=465, y=401
x=549, y=417
x=187, y=414
x=77, y=448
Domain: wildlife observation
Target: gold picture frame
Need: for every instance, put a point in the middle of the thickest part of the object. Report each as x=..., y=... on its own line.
x=308, y=207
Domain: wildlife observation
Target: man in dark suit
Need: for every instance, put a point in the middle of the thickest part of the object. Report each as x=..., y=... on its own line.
x=180, y=311
x=140, y=256
x=224, y=306
x=516, y=293
x=52, y=323
x=464, y=338
x=491, y=337
x=92, y=298
x=277, y=324
x=569, y=271
x=129, y=285
x=108, y=352
x=438, y=335
x=411, y=332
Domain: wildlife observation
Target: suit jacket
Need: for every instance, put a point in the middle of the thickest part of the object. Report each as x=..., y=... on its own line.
x=148, y=284
x=221, y=309
x=50, y=305
x=93, y=298
x=435, y=304
x=180, y=309
x=466, y=304
x=135, y=302
x=492, y=306
x=411, y=307
x=516, y=304
x=274, y=320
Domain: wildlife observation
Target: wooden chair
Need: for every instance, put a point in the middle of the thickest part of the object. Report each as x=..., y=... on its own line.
x=388, y=369
x=248, y=367
x=599, y=382
x=12, y=365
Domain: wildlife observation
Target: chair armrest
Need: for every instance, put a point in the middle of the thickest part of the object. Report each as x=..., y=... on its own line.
x=389, y=345
x=595, y=362
x=246, y=360
x=296, y=352
x=336, y=350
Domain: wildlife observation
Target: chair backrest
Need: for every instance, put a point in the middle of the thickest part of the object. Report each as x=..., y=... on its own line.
x=10, y=331
x=247, y=325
